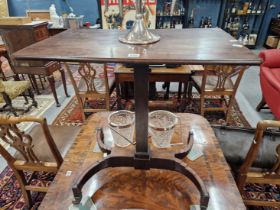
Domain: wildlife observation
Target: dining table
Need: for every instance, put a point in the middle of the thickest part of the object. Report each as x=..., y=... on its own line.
x=211, y=180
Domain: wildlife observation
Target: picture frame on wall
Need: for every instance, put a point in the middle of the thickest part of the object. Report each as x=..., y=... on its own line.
x=117, y=14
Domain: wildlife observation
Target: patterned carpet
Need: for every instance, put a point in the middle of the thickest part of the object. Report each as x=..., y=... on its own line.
x=71, y=115
x=10, y=193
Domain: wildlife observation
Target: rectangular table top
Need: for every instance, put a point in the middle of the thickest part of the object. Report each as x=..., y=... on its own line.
x=184, y=46
x=109, y=185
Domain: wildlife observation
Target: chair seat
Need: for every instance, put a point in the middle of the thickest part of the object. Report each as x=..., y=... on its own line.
x=99, y=84
x=211, y=82
x=14, y=88
x=63, y=136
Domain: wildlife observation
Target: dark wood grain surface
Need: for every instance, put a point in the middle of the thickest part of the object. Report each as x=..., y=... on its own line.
x=188, y=46
x=122, y=188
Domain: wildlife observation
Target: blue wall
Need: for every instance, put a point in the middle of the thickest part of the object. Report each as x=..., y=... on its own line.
x=18, y=7
x=89, y=8
x=271, y=13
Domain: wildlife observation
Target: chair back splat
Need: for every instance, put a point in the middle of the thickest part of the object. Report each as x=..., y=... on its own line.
x=217, y=81
x=35, y=151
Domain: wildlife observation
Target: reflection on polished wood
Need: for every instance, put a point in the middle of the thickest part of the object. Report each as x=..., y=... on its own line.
x=154, y=189
x=188, y=46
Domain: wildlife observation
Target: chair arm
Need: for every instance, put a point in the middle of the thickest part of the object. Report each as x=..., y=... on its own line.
x=7, y=119
x=271, y=58
x=264, y=124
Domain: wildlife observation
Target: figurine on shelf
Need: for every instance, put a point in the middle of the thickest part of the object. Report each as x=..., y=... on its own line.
x=191, y=20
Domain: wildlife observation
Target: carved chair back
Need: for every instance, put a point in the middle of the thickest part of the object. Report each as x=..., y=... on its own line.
x=247, y=175
x=23, y=143
x=217, y=80
x=92, y=86
x=222, y=78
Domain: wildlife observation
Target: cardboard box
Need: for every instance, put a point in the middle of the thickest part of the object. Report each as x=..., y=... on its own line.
x=272, y=41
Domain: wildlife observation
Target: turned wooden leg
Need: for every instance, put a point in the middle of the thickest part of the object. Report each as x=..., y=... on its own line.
x=261, y=105
x=64, y=81
x=52, y=86
x=9, y=104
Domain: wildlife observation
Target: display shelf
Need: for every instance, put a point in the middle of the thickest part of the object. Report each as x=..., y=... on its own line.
x=242, y=23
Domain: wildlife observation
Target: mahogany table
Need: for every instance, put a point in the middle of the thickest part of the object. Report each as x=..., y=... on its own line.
x=188, y=46
x=124, y=188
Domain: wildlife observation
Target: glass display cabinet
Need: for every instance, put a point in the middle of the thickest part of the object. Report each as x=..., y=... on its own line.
x=243, y=20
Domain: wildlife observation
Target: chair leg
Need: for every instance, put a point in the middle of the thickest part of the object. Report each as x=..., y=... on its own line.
x=167, y=86
x=22, y=182
x=261, y=105
x=61, y=70
x=180, y=90
x=31, y=95
x=228, y=112
x=9, y=104
x=34, y=82
x=52, y=86
x=25, y=98
x=41, y=81
x=189, y=91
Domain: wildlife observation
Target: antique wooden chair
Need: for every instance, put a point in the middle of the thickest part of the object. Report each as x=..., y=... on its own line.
x=10, y=90
x=217, y=81
x=94, y=85
x=248, y=174
x=18, y=39
x=42, y=149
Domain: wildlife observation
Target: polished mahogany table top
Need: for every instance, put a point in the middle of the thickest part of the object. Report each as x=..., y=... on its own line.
x=124, y=188
x=187, y=46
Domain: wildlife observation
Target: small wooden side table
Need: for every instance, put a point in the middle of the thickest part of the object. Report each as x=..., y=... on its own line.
x=179, y=74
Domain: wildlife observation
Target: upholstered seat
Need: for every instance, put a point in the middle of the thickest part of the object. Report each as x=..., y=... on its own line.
x=13, y=88
x=211, y=82
x=63, y=136
x=9, y=90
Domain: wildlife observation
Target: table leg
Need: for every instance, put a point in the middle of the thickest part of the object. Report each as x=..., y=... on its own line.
x=118, y=92
x=141, y=95
x=52, y=86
